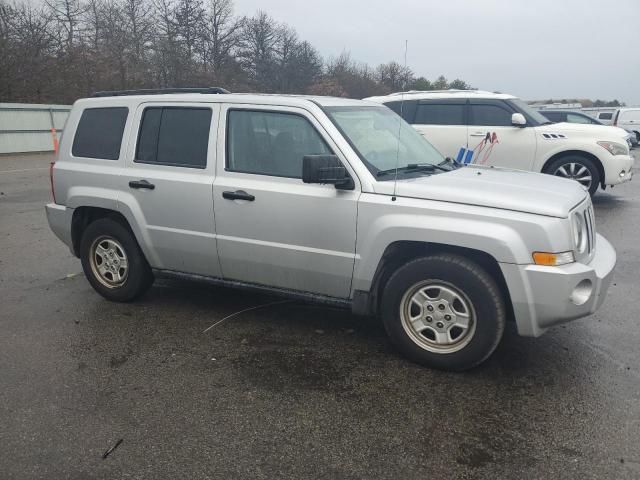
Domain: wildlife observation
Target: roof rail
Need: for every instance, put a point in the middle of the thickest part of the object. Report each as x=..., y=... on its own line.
x=161, y=91
x=448, y=90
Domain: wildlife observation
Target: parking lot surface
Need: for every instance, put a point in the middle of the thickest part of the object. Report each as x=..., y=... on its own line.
x=292, y=390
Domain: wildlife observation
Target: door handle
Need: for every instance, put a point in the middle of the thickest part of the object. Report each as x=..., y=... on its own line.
x=141, y=184
x=478, y=134
x=238, y=195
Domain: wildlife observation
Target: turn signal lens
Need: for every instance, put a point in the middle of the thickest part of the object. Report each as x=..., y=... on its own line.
x=553, y=259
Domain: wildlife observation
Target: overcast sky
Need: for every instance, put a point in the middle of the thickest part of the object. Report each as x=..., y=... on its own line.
x=536, y=49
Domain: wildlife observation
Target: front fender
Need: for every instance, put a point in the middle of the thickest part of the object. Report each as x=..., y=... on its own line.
x=567, y=146
x=508, y=237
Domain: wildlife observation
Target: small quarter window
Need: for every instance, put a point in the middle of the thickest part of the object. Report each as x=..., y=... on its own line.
x=99, y=133
x=174, y=136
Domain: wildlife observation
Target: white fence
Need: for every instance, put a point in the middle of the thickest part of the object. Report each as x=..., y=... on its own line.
x=28, y=127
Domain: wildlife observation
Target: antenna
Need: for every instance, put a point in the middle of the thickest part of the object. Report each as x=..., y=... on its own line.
x=404, y=87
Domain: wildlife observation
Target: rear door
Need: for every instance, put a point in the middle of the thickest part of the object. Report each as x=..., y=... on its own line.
x=167, y=183
x=272, y=228
x=494, y=140
x=443, y=123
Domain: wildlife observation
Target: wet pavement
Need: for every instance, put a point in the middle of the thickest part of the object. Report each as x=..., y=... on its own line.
x=292, y=390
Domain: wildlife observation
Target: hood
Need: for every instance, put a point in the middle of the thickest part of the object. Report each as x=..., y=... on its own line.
x=497, y=188
x=602, y=132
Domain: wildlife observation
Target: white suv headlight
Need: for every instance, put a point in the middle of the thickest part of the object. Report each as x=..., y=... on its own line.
x=615, y=148
x=579, y=228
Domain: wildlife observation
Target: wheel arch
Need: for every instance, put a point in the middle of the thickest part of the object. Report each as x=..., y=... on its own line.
x=579, y=153
x=400, y=252
x=84, y=216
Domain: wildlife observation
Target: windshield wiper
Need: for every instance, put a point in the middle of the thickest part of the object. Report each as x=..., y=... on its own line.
x=414, y=167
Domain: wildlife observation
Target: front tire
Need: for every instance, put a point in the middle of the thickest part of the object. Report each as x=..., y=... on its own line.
x=443, y=311
x=113, y=262
x=575, y=167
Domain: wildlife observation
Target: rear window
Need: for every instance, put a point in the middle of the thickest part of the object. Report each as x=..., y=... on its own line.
x=99, y=133
x=440, y=114
x=174, y=136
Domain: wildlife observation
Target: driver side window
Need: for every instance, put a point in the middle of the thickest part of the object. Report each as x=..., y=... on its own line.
x=270, y=143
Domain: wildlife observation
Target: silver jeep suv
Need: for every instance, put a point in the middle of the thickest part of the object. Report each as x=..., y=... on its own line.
x=329, y=200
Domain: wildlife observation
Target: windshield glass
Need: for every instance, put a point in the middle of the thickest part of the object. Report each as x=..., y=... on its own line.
x=534, y=116
x=383, y=140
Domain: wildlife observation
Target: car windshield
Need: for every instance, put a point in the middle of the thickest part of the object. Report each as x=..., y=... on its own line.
x=535, y=117
x=385, y=142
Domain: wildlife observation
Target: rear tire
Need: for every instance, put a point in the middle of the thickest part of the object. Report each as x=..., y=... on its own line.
x=113, y=262
x=443, y=311
x=578, y=168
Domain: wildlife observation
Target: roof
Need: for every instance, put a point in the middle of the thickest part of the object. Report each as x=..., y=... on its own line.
x=433, y=94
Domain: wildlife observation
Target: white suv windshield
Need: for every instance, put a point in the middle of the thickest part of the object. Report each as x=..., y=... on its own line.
x=382, y=139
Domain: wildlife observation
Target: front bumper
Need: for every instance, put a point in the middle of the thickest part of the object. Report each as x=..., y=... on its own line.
x=547, y=296
x=618, y=169
x=59, y=218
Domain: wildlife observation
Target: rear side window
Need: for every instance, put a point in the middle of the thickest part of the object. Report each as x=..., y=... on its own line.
x=440, y=114
x=270, y=143
x=406, y=109
x=490, y=115
x=99, y=133
x=174, y=136
x=605, y=116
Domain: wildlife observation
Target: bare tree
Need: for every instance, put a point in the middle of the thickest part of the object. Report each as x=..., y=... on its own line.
x=68, y=14
x=260, y=36
x=222, y=35
x=394, y=76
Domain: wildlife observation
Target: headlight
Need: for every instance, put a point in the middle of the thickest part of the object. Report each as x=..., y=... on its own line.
x=615, y=148
x=579, y=227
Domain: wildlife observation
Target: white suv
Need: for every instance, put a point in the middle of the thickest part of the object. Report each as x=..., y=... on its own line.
x=486, y=128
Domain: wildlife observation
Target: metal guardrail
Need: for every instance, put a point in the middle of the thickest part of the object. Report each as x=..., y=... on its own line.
x=31, y=127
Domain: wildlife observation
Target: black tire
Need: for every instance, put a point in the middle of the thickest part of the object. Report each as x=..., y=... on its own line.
x=138, y=276
x=580, y=160
x=476, y=286
x=637, y=137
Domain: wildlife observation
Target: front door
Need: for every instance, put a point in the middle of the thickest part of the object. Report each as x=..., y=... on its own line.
x=167, y=184
x=272, y=228
x=495, y=141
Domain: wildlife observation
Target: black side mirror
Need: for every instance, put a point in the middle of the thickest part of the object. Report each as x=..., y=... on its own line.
x=326, y=169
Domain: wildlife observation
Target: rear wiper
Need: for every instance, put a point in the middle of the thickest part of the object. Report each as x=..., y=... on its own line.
x=429, y=167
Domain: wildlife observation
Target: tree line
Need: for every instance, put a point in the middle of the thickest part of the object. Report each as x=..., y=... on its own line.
x=66, y=49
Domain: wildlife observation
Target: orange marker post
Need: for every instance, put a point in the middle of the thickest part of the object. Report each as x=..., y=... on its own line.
x=54, y=136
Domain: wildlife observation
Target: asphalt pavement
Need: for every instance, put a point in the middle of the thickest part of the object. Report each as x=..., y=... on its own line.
x=292, y=390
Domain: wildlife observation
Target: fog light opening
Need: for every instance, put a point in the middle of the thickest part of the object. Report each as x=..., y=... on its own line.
x=582, y=292
x=622, y=174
